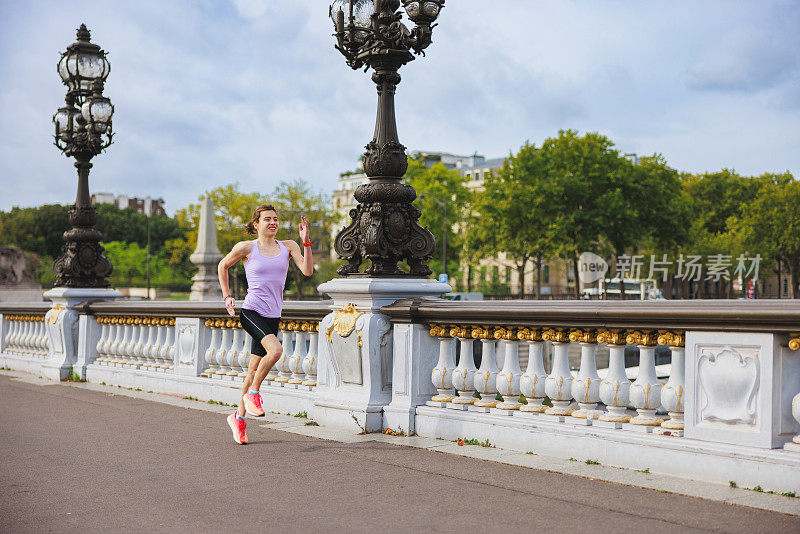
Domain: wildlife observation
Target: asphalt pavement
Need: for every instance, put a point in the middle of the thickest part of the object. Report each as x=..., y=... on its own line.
x=74, y=459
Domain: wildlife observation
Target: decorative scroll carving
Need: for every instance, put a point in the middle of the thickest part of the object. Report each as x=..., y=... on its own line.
x=729, y=384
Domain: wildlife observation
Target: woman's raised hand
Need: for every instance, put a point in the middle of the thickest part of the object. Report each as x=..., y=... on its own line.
x=305, y=233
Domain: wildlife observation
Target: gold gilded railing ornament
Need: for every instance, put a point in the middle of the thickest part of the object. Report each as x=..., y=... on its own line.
x=529, y=334
x=671, y=339
x=481, y=332
x=583, y=336
x=555, y=335
x=794, y=342
x=437, y=330
x=55, y=313
x=612, y=337
x=506, y=333
x=344, y=322
x=648, y=338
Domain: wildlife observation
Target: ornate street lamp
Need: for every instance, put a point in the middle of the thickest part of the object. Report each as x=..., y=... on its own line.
x=384, y=227
x=83, y=130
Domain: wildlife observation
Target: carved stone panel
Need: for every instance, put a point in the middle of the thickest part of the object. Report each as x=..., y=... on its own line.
x=347, y=352
x=734, y=387
x=728, y=385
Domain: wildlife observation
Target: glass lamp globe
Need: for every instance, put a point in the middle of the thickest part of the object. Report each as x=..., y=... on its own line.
x=97, y=112
x=362, y=12
x=83, y=63
x=64, y=121
x=423, y=11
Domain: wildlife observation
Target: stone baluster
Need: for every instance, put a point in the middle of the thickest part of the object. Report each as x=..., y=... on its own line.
x=442, y=374
x=645, y=391
x=224, y=348
x=11, y=322
x=106, y=339
x=101, y=343
x=146, y=342
x=509, y=376
x=135, y=343
x=211, y=351
x=284, y=373
x=244, y=352
x=531, y=384
x=160, y=340
x=299, y=354
x=464, y=373
x=615, y=387
x=310, y=361
x=169, y=346
x=141, y=341
x=127, y=328
x=236, y=348
x=119, y=336
x=586, y=386
x=43, y=340
x=486, y=376
x=558, y=384
x=25, y=345
x=672, y=392
x=35, y=337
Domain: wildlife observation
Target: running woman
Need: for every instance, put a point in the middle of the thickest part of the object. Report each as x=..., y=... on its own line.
x=266, y=261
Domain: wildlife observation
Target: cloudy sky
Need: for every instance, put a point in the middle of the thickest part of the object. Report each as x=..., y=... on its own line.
x=210, y=92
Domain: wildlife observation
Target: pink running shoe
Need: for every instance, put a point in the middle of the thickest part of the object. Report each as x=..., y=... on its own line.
x=252, y=404
x=238, y=425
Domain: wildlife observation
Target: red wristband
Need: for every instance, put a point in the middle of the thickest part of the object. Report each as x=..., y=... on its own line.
x=306, y=243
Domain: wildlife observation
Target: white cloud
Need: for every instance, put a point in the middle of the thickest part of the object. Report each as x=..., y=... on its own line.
x=208, y=92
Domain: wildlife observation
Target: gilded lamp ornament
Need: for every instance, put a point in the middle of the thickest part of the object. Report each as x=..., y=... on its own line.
x=384, y=227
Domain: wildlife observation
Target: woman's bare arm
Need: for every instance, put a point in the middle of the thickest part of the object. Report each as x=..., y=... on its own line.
x=239, y=251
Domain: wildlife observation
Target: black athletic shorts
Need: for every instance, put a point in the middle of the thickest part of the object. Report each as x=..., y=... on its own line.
x=258, y=326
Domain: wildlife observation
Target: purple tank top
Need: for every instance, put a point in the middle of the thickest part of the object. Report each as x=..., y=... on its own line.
x=266, y=277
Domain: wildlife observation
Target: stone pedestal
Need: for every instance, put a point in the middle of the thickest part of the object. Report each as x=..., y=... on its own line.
x=206, y=256
x=356, y=364
x=62, y=330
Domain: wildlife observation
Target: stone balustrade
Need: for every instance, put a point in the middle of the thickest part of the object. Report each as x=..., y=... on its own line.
x=26, y=335
x=566, y=379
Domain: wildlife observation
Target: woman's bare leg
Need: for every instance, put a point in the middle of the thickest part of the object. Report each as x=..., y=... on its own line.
x=258, y=367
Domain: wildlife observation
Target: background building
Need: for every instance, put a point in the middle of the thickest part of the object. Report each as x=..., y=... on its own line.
x=142, y=205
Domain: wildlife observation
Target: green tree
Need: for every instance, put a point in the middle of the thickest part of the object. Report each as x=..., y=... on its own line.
x=511, y=214
x=442, y=198
x=295, y=199
x=579, y=172
x=770, y=225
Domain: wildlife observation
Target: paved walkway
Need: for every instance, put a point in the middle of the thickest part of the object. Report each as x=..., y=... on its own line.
x=75, y=459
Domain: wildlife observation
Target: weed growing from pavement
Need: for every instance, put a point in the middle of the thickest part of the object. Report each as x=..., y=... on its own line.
x=102, y=383
x=302, y=414
x=391, y=432
x=529, y=452
x=474, y=441
x=363, y=430
x=732, y=484
x=189, y=397
x=594, y=462
x=73, y=377
x=645, y=470
x=311, y=423
x=572, y=460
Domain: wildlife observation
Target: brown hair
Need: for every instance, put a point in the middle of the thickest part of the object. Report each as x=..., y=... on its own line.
x=251, y=227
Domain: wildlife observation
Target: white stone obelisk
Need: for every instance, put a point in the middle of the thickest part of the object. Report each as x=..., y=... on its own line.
x=206, y=256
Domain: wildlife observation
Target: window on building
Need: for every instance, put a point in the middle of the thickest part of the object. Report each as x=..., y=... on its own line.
x=546, y=274
x=508, y=274
x=483, y=274
x=785, y=287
